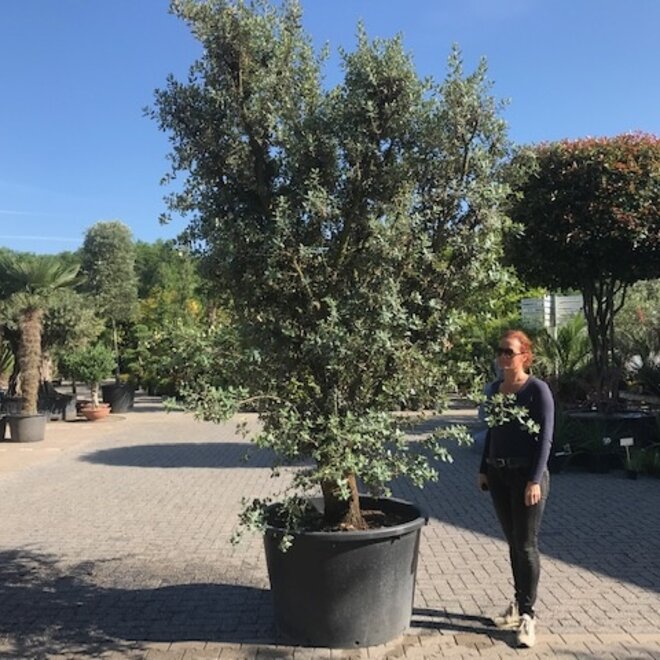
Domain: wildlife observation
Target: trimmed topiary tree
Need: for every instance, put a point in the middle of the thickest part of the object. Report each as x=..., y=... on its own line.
x=589, y=211
x=108, y=263
x=89, y=365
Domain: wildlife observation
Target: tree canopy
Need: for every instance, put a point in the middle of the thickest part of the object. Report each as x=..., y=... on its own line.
x=108, y=263
x=589, y=211
x=346, y=225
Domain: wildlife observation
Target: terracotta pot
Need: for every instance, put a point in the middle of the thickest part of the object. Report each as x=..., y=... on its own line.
x=93, y=414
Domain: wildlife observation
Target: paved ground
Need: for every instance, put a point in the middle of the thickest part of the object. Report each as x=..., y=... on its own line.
x=114, y=542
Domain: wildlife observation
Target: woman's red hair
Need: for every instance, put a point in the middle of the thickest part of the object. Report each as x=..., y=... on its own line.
x=526, y=345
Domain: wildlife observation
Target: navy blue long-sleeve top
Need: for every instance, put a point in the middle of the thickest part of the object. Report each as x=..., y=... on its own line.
x=511, y=440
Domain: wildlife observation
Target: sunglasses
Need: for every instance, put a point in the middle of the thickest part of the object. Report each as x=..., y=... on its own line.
x=507, y=352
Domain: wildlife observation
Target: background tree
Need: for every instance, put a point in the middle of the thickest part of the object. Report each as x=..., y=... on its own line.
x=170, y=304
x=108, y=263
x=347, y=227
x=590, y=217
x=70, y=322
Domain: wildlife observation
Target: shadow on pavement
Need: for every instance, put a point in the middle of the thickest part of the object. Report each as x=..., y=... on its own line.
x=184, y=455
x=45, y=612
x=457, y=623
x=603, y=523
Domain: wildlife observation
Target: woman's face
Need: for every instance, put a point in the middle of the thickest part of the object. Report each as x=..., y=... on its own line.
x=510, y=355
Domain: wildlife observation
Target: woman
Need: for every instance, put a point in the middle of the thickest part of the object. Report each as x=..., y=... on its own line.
x=514, y=470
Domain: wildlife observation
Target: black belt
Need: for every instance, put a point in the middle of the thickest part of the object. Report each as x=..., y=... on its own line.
x=509, y=462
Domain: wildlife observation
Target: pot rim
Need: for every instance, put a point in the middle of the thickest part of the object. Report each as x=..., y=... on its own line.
x=350, y=536
x=24, y=415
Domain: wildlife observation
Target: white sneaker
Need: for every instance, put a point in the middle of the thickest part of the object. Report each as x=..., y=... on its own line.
x=509, y=619
x=526, y=635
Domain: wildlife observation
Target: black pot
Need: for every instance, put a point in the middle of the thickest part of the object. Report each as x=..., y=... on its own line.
x=599, y=463
x=631, y=474
x=120, y=396
x=557, y=462
x=12, y=405
x=346, y=589
x=27, y=428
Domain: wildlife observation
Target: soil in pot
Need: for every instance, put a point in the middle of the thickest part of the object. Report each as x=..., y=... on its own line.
x=347, y=589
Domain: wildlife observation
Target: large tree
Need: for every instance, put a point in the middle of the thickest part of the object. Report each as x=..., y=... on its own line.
x=347, y=226
x=590, y=216
x=108, y=263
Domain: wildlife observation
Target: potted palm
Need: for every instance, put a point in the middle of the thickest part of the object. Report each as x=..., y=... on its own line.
x=344, y=228
x=91, y=365
x=26, y=282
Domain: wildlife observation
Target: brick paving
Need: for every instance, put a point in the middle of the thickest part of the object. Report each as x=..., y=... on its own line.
x=114, y=543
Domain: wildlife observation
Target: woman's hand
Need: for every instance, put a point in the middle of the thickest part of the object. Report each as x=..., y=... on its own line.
x=482, y=482
x=532, y=494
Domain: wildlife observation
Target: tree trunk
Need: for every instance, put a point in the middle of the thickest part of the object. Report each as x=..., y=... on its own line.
x=344, y=513
x=599, y=310
x=30, y=358
x=116, y=343
x=94, y=387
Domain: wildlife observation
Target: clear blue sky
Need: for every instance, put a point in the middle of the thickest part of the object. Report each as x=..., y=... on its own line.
x=75, y=75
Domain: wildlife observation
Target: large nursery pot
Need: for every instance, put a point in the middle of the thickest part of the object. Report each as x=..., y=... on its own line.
x=346, y=589
x=120, y=396
x=27, y=428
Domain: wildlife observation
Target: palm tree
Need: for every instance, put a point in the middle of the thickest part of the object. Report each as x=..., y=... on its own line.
x=25, y=283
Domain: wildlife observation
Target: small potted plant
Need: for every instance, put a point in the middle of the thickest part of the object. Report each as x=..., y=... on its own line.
x=91, y=365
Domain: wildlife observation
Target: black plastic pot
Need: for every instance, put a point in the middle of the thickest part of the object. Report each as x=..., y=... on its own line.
x=27, y=428
x=12, y=405
x=599, y=463
x=346, y=589
x=120, y=396
x=558, y=461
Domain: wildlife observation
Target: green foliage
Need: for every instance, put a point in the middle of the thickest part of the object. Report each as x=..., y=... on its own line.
x=162, y=266
x=638, y=337
x=26, y=283
x=500, y=409
x=6, y=362
x=108, y=262
x=88, y=365
x=70, y=321
x=587, y=213
x=182, y=352
x=347, y=227
x=564, y=361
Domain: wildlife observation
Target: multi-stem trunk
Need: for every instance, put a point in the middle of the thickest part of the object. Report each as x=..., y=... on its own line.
x=600, y=308
x=341, y=512
x=29, y=357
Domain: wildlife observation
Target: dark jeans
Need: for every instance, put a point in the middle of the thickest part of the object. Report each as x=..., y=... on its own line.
x=521, y=527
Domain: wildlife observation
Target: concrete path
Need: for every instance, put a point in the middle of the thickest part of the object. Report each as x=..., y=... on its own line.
x=114, y=543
